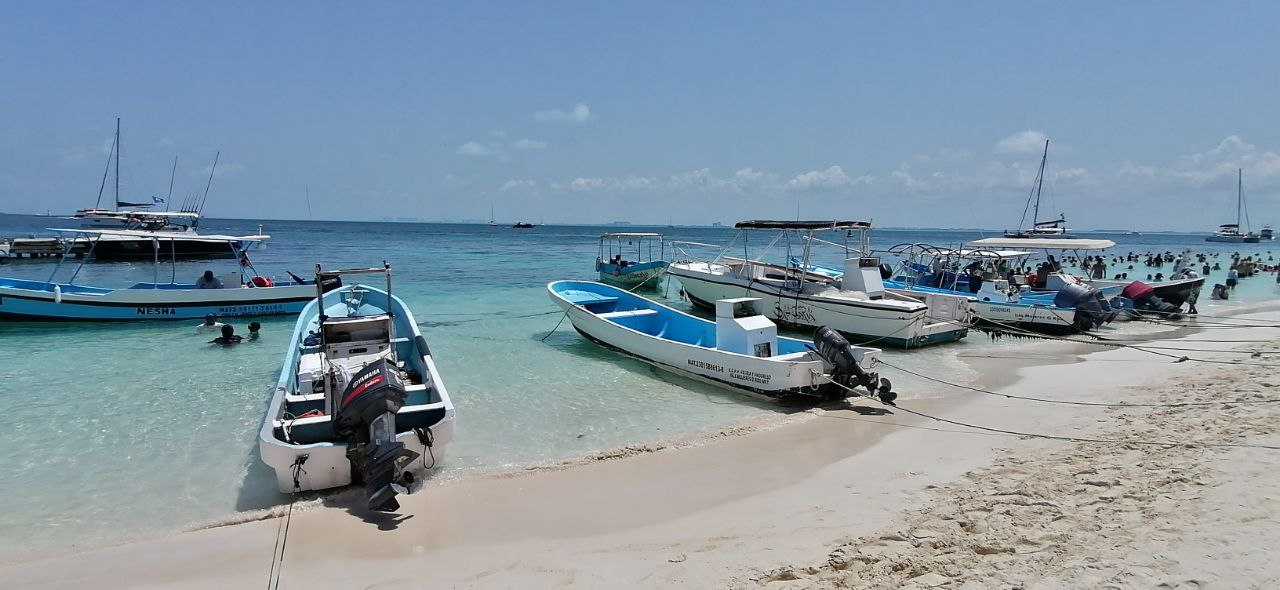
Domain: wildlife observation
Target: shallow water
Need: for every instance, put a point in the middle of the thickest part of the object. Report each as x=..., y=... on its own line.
x=117, y=432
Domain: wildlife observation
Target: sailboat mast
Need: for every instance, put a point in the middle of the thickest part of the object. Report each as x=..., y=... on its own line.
x=1239, y=194
x=1035, y=215
x=117, y=163
x=172, y=173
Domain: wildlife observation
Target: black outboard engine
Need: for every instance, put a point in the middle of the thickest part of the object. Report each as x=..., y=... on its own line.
x=834, y=349
x=366, y=417
x=1145, y=299
x=1084, y=299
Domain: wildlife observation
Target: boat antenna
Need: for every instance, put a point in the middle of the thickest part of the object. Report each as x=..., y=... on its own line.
x=105, y=171
x=307, y=188
x=172, y=173
x=117, y=163
x=212, y=169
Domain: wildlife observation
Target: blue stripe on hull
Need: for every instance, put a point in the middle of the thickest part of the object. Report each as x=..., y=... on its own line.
x=30, y=310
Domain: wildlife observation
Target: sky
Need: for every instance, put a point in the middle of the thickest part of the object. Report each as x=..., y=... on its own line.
x=922, y=114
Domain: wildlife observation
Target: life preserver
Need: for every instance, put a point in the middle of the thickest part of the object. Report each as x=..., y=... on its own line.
x=262, y=282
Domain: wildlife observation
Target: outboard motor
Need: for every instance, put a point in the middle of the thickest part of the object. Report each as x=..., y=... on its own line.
x=1084, y=299
x=837, y=351
x=886, y=271
x=1144, y=299
x=366, y=418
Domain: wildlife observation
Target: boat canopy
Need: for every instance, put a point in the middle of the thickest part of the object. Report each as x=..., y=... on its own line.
x=163, y=235
x=802, y=225
x=1043, y=243
x=630, y=235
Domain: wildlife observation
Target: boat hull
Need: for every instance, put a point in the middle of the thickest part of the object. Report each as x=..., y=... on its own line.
x=1176, y=292
x=1032, y=317
x=632, y=275
x=864, y=321
x=37, y=301
x=1233, y=239
x=141, y=249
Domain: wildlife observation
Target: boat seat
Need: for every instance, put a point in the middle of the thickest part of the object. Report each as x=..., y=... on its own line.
x=632, y=313
x=586, y=298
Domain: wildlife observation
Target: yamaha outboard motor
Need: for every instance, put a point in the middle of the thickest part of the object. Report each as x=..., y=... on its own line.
x=1084, y=299
x=366, y=418
x=1144, y=299
x=837, y=351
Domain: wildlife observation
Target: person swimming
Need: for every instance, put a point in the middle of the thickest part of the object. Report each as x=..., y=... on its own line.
x=228, y=337
x=253, y=330
x=210, y=324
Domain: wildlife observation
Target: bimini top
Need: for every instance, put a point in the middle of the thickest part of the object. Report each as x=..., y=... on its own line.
x=806, y=225
x=631, y=235
x=1043, y=243
x=161, y=235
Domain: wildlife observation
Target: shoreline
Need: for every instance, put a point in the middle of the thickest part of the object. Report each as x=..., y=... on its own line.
x=620, y=477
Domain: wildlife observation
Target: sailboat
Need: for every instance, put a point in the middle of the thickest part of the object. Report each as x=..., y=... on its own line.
x=492, y=221
x=1230, y=232
x=1051, y=228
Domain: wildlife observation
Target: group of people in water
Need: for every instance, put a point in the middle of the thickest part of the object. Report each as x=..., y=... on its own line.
x=227, y=332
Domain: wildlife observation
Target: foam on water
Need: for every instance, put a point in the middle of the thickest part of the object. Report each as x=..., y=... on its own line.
x=118, y=432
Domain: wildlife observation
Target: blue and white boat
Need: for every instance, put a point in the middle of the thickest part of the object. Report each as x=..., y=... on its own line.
x=628, y=259
x=238, y=294
x=740, y=353
x=359, y=398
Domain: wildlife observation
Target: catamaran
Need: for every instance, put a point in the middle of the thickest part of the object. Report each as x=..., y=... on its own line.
x=857, y=305
x=618, y=263
x=180, y=228
x=359, y=398
x=1050, y=228
x=234, y=294
x=1230, y=232
x=740, y=350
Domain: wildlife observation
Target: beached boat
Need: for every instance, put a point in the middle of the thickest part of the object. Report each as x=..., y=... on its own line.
x=983, y=276
x=1050, y=228
x=857, y=306
x=740, y=353
x=234, y=294
x=359, y=398
x=1230, y=232
x=617, y=265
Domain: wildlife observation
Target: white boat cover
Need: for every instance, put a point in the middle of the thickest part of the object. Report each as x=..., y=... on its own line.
x=1043, y=243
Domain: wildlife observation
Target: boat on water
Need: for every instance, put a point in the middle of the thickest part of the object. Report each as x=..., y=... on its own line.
x=1175, y=291
x=983, y=275
x=1230, y=232
x=1049, y=228
x=359, y=398
x=857, y=306
x=1266, y=233
x=242, y=292
x=740, y=350
x=522, y=225
x=628, y=259
x=177, y=229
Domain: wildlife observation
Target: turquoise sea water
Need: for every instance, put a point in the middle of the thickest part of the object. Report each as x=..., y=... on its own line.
x=124, y=431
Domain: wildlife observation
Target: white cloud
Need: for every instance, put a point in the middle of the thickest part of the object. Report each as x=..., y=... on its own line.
x=511, y=185
x=581, y=113
x=528, y=144
x=814, y=180
x=1022, y=142
x=498, y=133
x=611, y=183
x=472, y=148
x=1214, y=167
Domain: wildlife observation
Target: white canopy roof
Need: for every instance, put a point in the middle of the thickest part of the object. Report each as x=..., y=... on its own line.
x=1043, y=243
x=162, y=235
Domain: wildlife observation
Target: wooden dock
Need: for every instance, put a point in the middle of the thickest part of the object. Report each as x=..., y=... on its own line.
x=46, y=247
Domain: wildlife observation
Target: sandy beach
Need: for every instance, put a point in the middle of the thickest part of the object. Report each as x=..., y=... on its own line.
x=855, y=496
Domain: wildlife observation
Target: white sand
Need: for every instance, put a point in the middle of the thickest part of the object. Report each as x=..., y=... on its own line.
x=844, y=499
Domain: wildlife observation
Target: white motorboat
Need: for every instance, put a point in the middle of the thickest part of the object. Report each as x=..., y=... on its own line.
x=740, y=350
x=359, y=397
x=857, y=305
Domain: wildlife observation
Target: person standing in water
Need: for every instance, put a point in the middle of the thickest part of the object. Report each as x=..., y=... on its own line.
x=253, y=330
x=210, y=324
x=228, y=337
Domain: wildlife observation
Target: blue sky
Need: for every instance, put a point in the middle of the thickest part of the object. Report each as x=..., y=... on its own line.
x=921, y=113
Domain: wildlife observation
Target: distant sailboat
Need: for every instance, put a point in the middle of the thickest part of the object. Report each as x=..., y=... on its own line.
x=1053, y=228
x=492, y=221
x=1230, y=232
